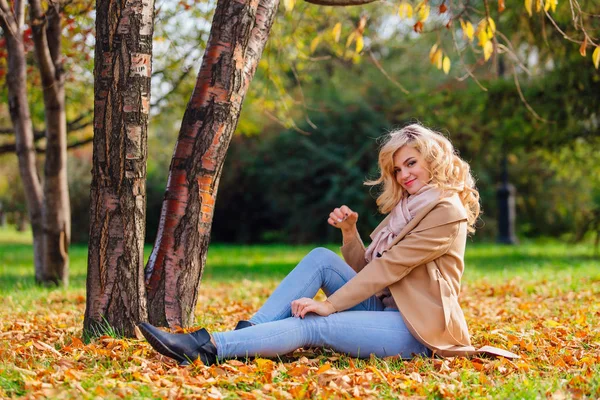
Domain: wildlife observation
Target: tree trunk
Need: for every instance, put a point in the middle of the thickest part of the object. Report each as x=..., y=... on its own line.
x=115, y=280
x=16, y=78
x=238, y=35
x=56, y=214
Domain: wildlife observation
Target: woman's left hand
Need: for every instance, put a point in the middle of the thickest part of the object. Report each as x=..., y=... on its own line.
x=305, y=305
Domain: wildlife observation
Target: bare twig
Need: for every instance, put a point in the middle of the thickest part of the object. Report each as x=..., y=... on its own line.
x=567, y=37
x=383, y=71
x=462, y=60
x=531, y=110
x=280, y=122
x=302, y=98
x=176, y=84
x=509, y=48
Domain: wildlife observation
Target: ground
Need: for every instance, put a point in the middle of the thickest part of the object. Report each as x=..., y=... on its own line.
x=539, y=300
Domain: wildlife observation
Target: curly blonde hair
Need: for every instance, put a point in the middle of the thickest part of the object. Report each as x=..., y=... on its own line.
x=449, y=172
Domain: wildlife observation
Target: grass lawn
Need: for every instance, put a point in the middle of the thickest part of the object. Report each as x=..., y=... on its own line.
x=538, y=299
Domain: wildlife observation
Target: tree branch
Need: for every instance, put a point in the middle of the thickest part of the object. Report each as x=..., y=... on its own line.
x=176, y=84
x=522, y=96
x=38, y=23
x=53, y=32
x=12, y=147
x=383, y=71
x=72, y=126
x=340, y=3
x=7, y=20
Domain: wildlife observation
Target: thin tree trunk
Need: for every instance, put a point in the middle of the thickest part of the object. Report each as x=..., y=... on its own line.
x=239, y=32
x=56, y=212
x=115, y=280
x=12, y=24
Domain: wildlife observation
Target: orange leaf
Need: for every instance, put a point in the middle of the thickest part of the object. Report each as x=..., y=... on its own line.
x=501, y=6
x=351, y=362
x=583, y=46
x=418, y=27
x=298, y=371
x=443, y=8
x=323, y=368
x=77, y=343
x=478, y=366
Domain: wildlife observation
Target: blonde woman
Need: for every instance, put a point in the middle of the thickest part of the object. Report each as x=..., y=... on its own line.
x=398, y=296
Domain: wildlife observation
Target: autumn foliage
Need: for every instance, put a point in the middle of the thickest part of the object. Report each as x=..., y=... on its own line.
x=549, y=318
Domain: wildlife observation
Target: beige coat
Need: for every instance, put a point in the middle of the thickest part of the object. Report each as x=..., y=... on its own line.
x=422, y=268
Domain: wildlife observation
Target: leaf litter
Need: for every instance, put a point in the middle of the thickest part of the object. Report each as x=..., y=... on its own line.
x=554, y=331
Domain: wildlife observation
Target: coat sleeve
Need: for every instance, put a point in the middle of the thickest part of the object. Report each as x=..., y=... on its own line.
x=354, y=253
x=416, y=248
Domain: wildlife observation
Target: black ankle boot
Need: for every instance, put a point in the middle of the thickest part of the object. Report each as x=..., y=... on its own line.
x=243, y=324
x=184, y=348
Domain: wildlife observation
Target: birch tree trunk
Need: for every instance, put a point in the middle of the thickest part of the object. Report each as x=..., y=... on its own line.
x=56, y=211
x=115, y=280
x=11, y=21
x=239, y=32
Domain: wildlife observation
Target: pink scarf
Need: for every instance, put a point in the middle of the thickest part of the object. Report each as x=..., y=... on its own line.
x=401, y=215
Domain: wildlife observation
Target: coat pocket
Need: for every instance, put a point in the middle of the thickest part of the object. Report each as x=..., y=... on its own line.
x=456, y=326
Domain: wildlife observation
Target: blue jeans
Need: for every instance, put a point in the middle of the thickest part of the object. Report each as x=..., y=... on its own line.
x=365, y=329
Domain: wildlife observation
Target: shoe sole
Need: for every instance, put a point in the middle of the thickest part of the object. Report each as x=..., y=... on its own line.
x=161, y=347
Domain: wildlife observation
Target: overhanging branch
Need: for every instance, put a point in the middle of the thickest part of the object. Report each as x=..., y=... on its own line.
x=340, y=3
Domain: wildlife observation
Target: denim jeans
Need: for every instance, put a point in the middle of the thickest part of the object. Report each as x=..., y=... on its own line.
x=367, y=328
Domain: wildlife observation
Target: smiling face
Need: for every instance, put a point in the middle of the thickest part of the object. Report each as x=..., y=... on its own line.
x=411, y=169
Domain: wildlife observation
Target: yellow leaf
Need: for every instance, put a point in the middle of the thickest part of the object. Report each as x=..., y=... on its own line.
x=405, y=10
x=550, y=323
x=423, y=11
x=538, y=5
x=488, y=49
x=490, y=27
x=289, y=4
x=469, y=31
x=359, y=43
x=553, y=4
x=436, y=58
x=596, y=57
x=485, y=30
x=432, y=52
x=314, y=43
x=337, y=31
x=529, y=7
x=264, y=365
x=350, y=39
x=446, y=65
x=483, y=37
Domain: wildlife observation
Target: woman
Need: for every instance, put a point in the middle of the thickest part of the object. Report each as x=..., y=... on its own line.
x=396, y=297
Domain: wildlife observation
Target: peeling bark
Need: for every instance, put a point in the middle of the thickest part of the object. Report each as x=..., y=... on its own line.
x=239, y=32
x=115, y=281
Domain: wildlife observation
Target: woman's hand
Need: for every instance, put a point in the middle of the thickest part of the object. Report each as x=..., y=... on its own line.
x=305, y=305
x=343, y=218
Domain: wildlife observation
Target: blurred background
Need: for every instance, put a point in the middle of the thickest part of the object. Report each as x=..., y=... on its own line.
x=307, y=138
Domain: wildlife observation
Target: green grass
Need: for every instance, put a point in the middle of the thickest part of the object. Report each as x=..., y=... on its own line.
x=530, y=260
x=542, y=292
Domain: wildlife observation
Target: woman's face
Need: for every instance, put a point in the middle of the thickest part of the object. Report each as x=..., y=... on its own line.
x=412, y=171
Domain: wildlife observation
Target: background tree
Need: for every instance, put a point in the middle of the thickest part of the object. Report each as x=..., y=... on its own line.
x=47, y=200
